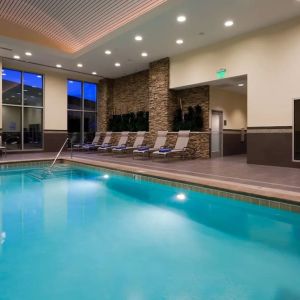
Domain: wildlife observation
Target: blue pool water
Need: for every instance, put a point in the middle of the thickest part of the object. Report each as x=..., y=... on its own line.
x=83, y=235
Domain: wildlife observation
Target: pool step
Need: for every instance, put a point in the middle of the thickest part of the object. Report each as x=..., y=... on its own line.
x=57, y=171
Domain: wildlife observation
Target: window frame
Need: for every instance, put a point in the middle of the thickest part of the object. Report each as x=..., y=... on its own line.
x=83, y=110
x=22, y=106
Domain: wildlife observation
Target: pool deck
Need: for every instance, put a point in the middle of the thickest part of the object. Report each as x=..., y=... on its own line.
x=230, y=173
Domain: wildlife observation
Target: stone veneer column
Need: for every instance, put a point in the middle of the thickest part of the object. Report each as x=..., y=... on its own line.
x=105, y=103
x=0, y=96
x=159, y=96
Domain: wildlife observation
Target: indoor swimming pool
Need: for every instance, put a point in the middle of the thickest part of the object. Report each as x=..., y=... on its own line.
x=84, y=233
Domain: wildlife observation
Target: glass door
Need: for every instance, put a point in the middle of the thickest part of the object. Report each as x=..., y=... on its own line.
x=216, y=133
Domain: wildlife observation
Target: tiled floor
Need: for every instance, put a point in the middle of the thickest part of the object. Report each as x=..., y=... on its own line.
x=229, y=169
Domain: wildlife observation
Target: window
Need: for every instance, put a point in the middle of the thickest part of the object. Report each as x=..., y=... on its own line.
x=82, y=107
x=297, y=129
x=22, y=109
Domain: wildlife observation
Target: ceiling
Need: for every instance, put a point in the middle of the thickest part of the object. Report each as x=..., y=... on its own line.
x=69, y=25
x=236, y=84
x=79, y=31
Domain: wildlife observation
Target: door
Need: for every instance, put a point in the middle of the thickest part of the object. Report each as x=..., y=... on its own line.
x=296, y=133
x=216, y=133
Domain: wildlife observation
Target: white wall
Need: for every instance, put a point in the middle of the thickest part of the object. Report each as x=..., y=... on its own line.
x=233, y=105
x=55, y=93
x=55, y=112
x=269, y=57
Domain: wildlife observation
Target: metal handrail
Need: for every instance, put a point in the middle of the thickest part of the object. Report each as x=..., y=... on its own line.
x=58, y=154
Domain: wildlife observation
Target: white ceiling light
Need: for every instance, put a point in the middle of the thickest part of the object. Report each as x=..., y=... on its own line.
x=107, y=52
x=241, y=84
x=179, y=42
x=79, y=65
x=58, y=66
x=138, y=38
x=144, y=54
x=39, y=76
x=229, y=23
x=94, y=73
x=117, y=64
x=16, y=56
x=181, y=19
x=28, y=53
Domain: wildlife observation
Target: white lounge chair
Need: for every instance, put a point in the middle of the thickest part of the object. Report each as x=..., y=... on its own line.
x=95, y=144
x=2, y=148
x=95, y=141
x=122, y=142
x=159, y=142
x=140, y=136
x=180, y=148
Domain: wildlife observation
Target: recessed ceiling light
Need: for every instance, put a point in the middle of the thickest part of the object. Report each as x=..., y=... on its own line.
x=144, y=54
x=94, y=73
x=181, y=19
x=58, y=66
x=229, y=23
x=28, y=53
x=179, y=42
x=117, y=64
x=138, y=38
x=107, y=52
x=79, y=65
x=16, y=56
x=241, y=84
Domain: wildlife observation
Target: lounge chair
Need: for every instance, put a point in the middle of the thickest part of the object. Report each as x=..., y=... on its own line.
x=159, y=142
x=122, y=142
x=140, y=136
x=74, y=141
x=95, y=144
x=2, y=148
x=180, y=148
x=85, y=146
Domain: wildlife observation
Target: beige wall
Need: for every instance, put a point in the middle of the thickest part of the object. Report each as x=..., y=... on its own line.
x=55, y=93
x=233, y=105
x=55, y=113
x=269, y=57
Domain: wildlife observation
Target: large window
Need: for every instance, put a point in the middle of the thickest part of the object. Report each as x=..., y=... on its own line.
x=82, y=107
x=297, y=130
x=22, y=109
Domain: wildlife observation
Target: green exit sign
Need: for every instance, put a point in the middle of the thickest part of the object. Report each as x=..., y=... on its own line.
x=221, y=73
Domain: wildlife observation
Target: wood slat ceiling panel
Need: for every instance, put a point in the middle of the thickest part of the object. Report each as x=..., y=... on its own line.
x=74, y=24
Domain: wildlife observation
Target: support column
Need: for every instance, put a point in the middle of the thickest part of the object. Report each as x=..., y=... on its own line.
x=1, y=95
x=159, y=96
x=105, y=104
